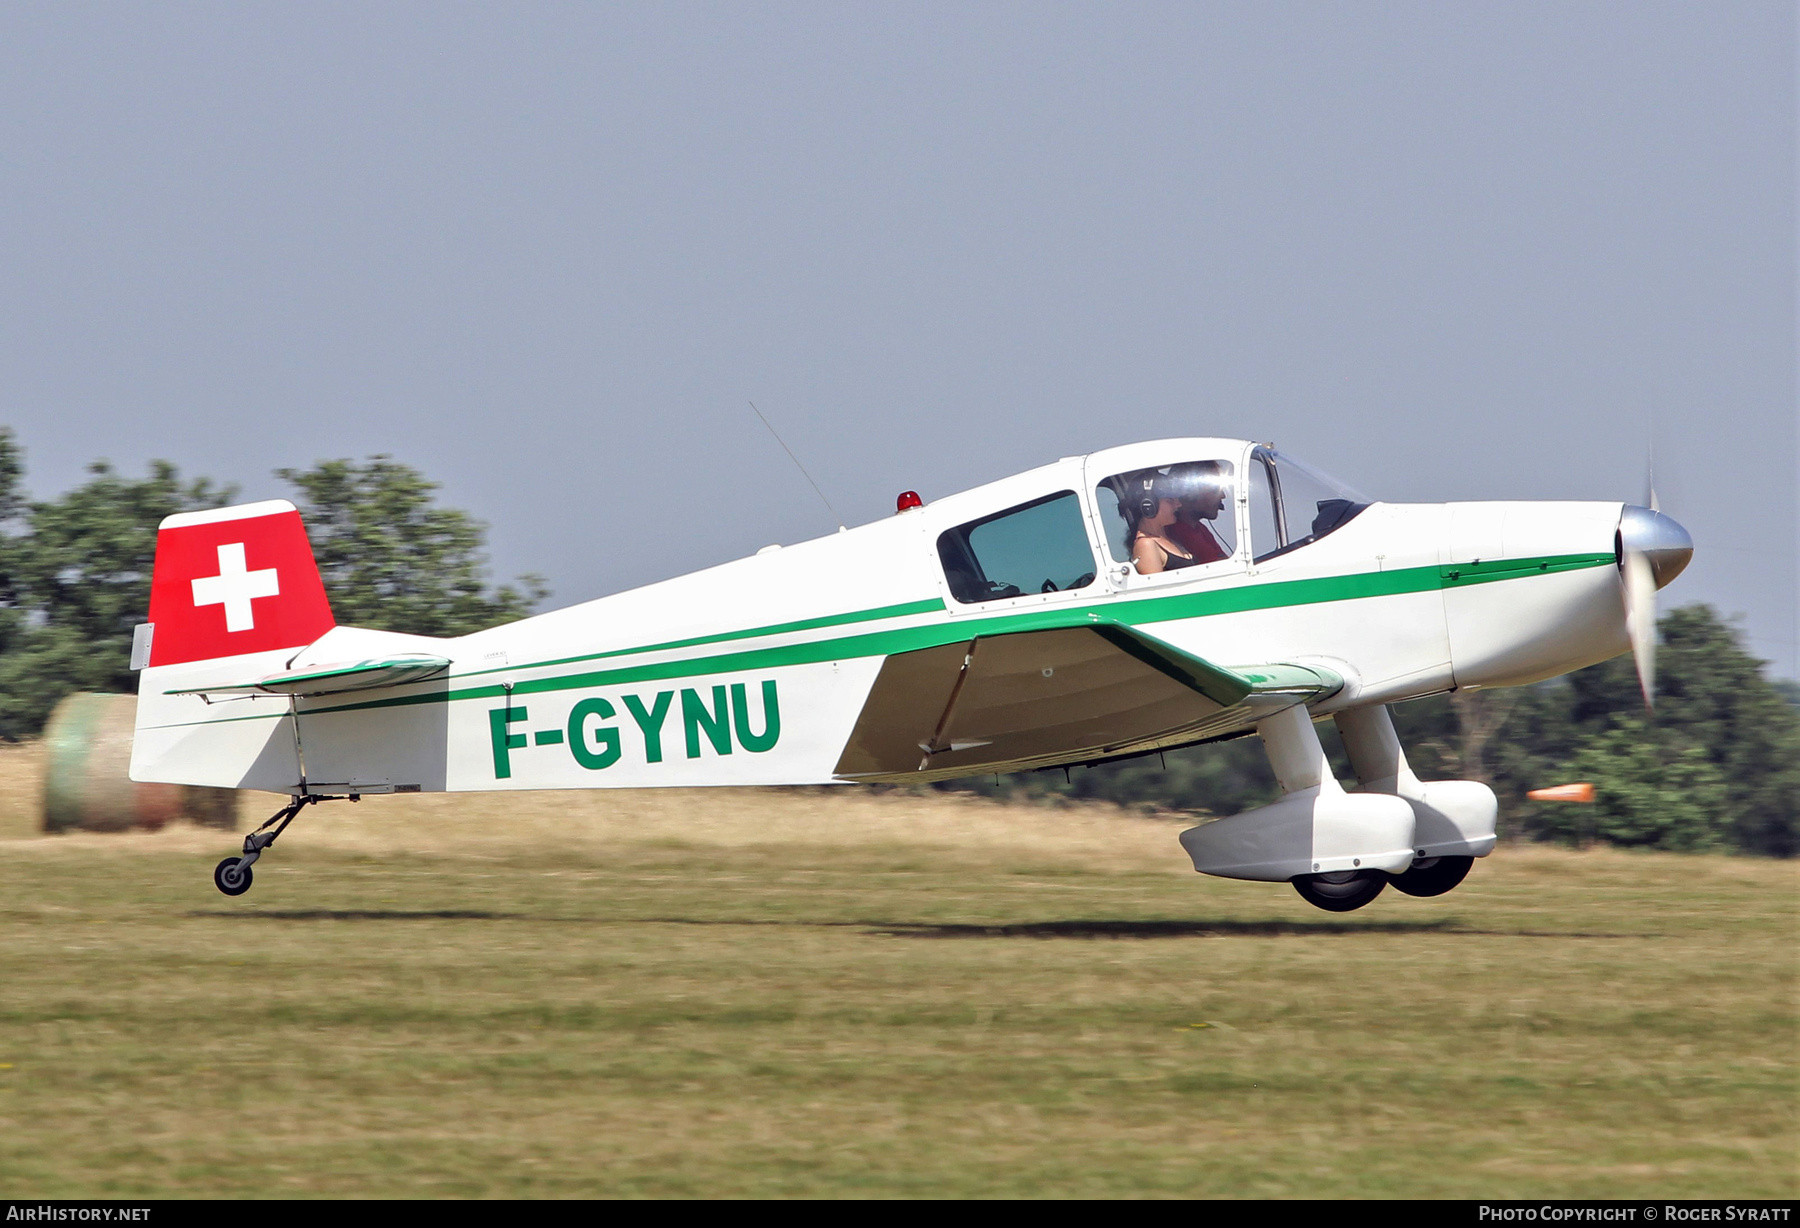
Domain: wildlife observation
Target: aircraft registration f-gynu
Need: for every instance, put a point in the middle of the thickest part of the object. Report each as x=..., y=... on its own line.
x=1142, y=598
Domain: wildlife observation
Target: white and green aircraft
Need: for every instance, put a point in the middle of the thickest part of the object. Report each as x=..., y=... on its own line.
x=1145, y=597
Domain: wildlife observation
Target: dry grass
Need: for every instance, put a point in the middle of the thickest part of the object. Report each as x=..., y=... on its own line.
x=852, y=993
x=21, y=789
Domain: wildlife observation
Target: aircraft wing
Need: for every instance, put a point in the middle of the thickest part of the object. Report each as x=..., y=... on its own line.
x=334, y=678
x=1023, y=699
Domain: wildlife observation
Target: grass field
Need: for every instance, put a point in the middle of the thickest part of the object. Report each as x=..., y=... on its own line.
x=849, y=993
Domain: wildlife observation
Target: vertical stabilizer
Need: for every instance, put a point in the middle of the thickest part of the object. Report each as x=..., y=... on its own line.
x=235, y=594
x=234, y=580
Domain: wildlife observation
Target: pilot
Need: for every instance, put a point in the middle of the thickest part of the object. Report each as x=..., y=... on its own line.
x=1201, y=489
x=1150, y=509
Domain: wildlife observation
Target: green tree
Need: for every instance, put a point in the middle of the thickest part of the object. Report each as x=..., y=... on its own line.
x=15, y=624
x=394, y=561
x=75, y=570
x=12, y=528
x=1713, y=699
x=1648, y=793
x=1713, y=694
x=75, y=579
x=1789, y=689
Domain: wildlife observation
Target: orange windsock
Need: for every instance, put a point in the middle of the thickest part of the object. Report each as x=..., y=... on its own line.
x=1583, y=792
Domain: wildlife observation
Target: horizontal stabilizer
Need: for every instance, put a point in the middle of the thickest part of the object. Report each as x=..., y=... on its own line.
x=335, y=678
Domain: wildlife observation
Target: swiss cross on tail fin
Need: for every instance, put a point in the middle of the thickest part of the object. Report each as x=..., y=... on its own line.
x=235, y=580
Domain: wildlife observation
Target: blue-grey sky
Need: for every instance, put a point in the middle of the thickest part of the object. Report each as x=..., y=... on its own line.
x=548, y=252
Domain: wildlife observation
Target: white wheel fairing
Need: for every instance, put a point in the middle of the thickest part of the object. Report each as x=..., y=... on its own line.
x=1310, y=832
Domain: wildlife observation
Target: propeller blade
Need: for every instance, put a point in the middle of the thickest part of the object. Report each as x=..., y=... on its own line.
x=1653, y=550
x=1640, y=619
x=1640, y=589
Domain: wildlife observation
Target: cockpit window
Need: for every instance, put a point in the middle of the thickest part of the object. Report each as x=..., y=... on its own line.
x=1292, y=504
x=1037, y=547
x=1170, y=517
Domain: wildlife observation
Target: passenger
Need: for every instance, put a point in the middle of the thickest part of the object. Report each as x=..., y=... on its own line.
x=1148, y=512
x=1201, y=488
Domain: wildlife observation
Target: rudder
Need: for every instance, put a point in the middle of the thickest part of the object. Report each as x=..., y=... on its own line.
x=235, y=593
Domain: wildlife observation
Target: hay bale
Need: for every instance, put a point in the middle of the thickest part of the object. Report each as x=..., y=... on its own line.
x=87, y=785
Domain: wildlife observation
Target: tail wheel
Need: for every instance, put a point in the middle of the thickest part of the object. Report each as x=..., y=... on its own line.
x=227, y=877
x=1344, y=891
x=1433, y=875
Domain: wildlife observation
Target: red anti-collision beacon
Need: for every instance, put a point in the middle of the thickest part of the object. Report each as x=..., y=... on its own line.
x=908, y=500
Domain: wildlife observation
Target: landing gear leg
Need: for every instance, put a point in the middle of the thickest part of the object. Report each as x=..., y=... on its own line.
x=1454, y=819
x=1335, y=847
x=232, y=876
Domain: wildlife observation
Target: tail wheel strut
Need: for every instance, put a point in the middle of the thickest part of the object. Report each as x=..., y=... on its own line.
x=232, y=876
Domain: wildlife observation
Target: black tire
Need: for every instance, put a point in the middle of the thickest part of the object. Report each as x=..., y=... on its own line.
x=231, y=880
x=1344, y=891
x=1436, y=876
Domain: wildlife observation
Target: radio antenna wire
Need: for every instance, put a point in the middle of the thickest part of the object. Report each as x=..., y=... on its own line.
x=836, y=519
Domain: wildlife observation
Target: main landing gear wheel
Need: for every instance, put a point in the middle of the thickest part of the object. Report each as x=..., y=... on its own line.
x=1343, y=891
x=231, y=876
x=1433, y=875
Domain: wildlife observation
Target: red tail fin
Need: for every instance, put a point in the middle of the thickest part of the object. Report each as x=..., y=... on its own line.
x=234, y=580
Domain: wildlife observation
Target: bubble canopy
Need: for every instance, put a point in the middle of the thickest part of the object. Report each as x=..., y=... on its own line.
x=1293, y=504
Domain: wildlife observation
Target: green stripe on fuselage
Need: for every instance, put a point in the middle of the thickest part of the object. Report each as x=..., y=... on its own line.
x=1132, y=610
x=934, y=606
